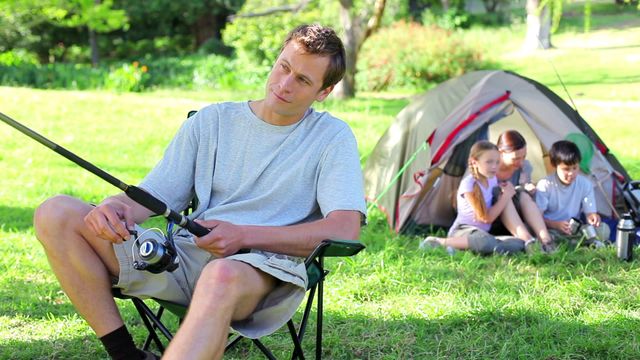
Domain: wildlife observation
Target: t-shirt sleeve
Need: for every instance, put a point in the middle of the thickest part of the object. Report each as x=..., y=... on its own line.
x=542, y=195
x=527, y=170
x=171, y=180
x=589, y=199
x=340, y=183
x=466, y=185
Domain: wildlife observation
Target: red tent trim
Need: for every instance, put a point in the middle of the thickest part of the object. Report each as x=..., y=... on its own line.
x=447, y=142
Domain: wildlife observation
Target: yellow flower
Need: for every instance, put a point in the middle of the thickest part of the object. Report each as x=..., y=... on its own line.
x=135, y=64
x=144, y=68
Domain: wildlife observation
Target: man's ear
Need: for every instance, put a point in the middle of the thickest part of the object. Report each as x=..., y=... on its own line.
x=322, y=94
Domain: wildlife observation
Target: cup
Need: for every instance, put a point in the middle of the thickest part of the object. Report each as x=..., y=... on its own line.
x=589, y=231
x=574, y=225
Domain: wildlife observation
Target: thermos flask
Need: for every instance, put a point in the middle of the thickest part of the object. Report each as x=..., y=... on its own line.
x=625, y=237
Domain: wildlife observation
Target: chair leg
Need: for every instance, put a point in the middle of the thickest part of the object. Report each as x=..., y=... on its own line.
x=306, y=313
x=319, y=318
x=152, y=323
x=264, y=349
x=150, y=337
x=297, y=345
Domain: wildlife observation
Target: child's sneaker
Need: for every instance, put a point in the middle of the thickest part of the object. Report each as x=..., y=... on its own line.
x=430, y=242
x=531, y=246
x=550, y=247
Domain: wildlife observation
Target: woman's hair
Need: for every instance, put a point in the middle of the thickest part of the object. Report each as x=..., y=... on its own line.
x=511, y=140
x=477, y=200
x=564, y=152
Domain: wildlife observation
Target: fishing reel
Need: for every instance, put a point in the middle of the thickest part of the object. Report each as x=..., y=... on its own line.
x=153, y=256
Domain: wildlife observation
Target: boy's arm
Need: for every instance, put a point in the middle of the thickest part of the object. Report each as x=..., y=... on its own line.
x=593, y=219
x=562, y=226
x=589, y=206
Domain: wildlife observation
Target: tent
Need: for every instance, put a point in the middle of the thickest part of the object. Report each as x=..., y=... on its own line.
x=414, y=170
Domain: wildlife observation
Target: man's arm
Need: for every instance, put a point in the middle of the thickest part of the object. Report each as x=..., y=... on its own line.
x=114, y=215
x=298, y=240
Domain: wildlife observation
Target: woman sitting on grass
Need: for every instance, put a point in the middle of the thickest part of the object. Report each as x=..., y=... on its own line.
x=474, y=200
x=516, y=170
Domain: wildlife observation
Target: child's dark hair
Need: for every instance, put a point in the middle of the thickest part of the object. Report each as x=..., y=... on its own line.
x=564, y=152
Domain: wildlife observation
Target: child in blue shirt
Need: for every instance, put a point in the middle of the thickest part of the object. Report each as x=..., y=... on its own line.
x=566, y=194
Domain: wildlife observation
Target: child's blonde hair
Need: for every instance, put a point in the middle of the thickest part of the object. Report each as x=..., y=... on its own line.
x=477, y=199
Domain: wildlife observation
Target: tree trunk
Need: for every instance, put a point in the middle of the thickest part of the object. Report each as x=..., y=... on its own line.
x=95, y=53
x=538, y=27
x=204, y=28
x=93, y=43
x=355, y=36
x=346, y=88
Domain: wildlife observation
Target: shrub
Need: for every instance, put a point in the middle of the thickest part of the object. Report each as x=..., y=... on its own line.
x=388, y=61
x=52, y=76
x=192, y=72
x=257, y=40
x=128, y=77
x=17, y=57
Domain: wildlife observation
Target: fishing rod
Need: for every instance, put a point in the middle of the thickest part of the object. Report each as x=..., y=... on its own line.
x=135, y=193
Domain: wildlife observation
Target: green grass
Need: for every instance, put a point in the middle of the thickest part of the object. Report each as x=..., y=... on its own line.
x=389, y=302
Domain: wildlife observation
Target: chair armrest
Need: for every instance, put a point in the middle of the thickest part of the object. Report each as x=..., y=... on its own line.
x=335, y=248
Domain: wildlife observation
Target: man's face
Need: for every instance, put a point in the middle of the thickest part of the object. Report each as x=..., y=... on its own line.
x=567, y=173
x=295, y=83
x=514, y=158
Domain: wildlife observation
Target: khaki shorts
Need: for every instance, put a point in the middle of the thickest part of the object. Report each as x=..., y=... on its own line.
x=178, y=286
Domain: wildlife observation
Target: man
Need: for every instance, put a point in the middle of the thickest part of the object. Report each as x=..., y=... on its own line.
x=272, y=175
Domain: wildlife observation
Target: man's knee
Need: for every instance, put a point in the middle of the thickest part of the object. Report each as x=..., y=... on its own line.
x=55, y=213
x=221, y=277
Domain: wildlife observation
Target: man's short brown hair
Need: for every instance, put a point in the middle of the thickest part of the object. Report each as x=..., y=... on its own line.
x=321, y=40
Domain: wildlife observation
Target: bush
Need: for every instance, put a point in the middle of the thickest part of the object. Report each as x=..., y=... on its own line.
x=128, y=77
x=388, y=61
x=52, y=76
x=257, y=40
x=18, y=57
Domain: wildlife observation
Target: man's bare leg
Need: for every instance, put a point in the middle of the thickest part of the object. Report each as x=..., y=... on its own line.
x=226, y=290
x=82, y=262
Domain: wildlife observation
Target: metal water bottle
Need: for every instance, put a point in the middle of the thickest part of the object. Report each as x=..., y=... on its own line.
x=625, y=237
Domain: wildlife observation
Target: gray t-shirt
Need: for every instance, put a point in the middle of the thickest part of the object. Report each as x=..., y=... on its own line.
x=560, y=202
x=522, y=175
x=248, y=172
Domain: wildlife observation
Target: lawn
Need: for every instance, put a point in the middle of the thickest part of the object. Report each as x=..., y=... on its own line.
x=389, y=302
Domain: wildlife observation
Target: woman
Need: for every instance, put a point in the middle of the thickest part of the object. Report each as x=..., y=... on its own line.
x=516, y=170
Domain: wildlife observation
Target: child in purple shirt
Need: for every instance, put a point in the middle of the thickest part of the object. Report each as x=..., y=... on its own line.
x=477, y=209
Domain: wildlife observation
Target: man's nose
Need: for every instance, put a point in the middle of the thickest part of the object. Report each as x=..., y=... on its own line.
x=286, y=82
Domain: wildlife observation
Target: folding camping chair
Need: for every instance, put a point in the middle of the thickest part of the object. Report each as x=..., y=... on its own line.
x=316, y=274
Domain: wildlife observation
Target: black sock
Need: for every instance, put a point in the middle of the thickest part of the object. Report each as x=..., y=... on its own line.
x=119, y=345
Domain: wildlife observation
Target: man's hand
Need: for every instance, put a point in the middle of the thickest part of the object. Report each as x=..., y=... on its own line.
x=225, y=238
x=593, y=219
x=110, y=220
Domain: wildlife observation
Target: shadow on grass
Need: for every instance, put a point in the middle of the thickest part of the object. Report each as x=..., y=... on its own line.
x=496, y=334
x=33, y=300
x=15, y=218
